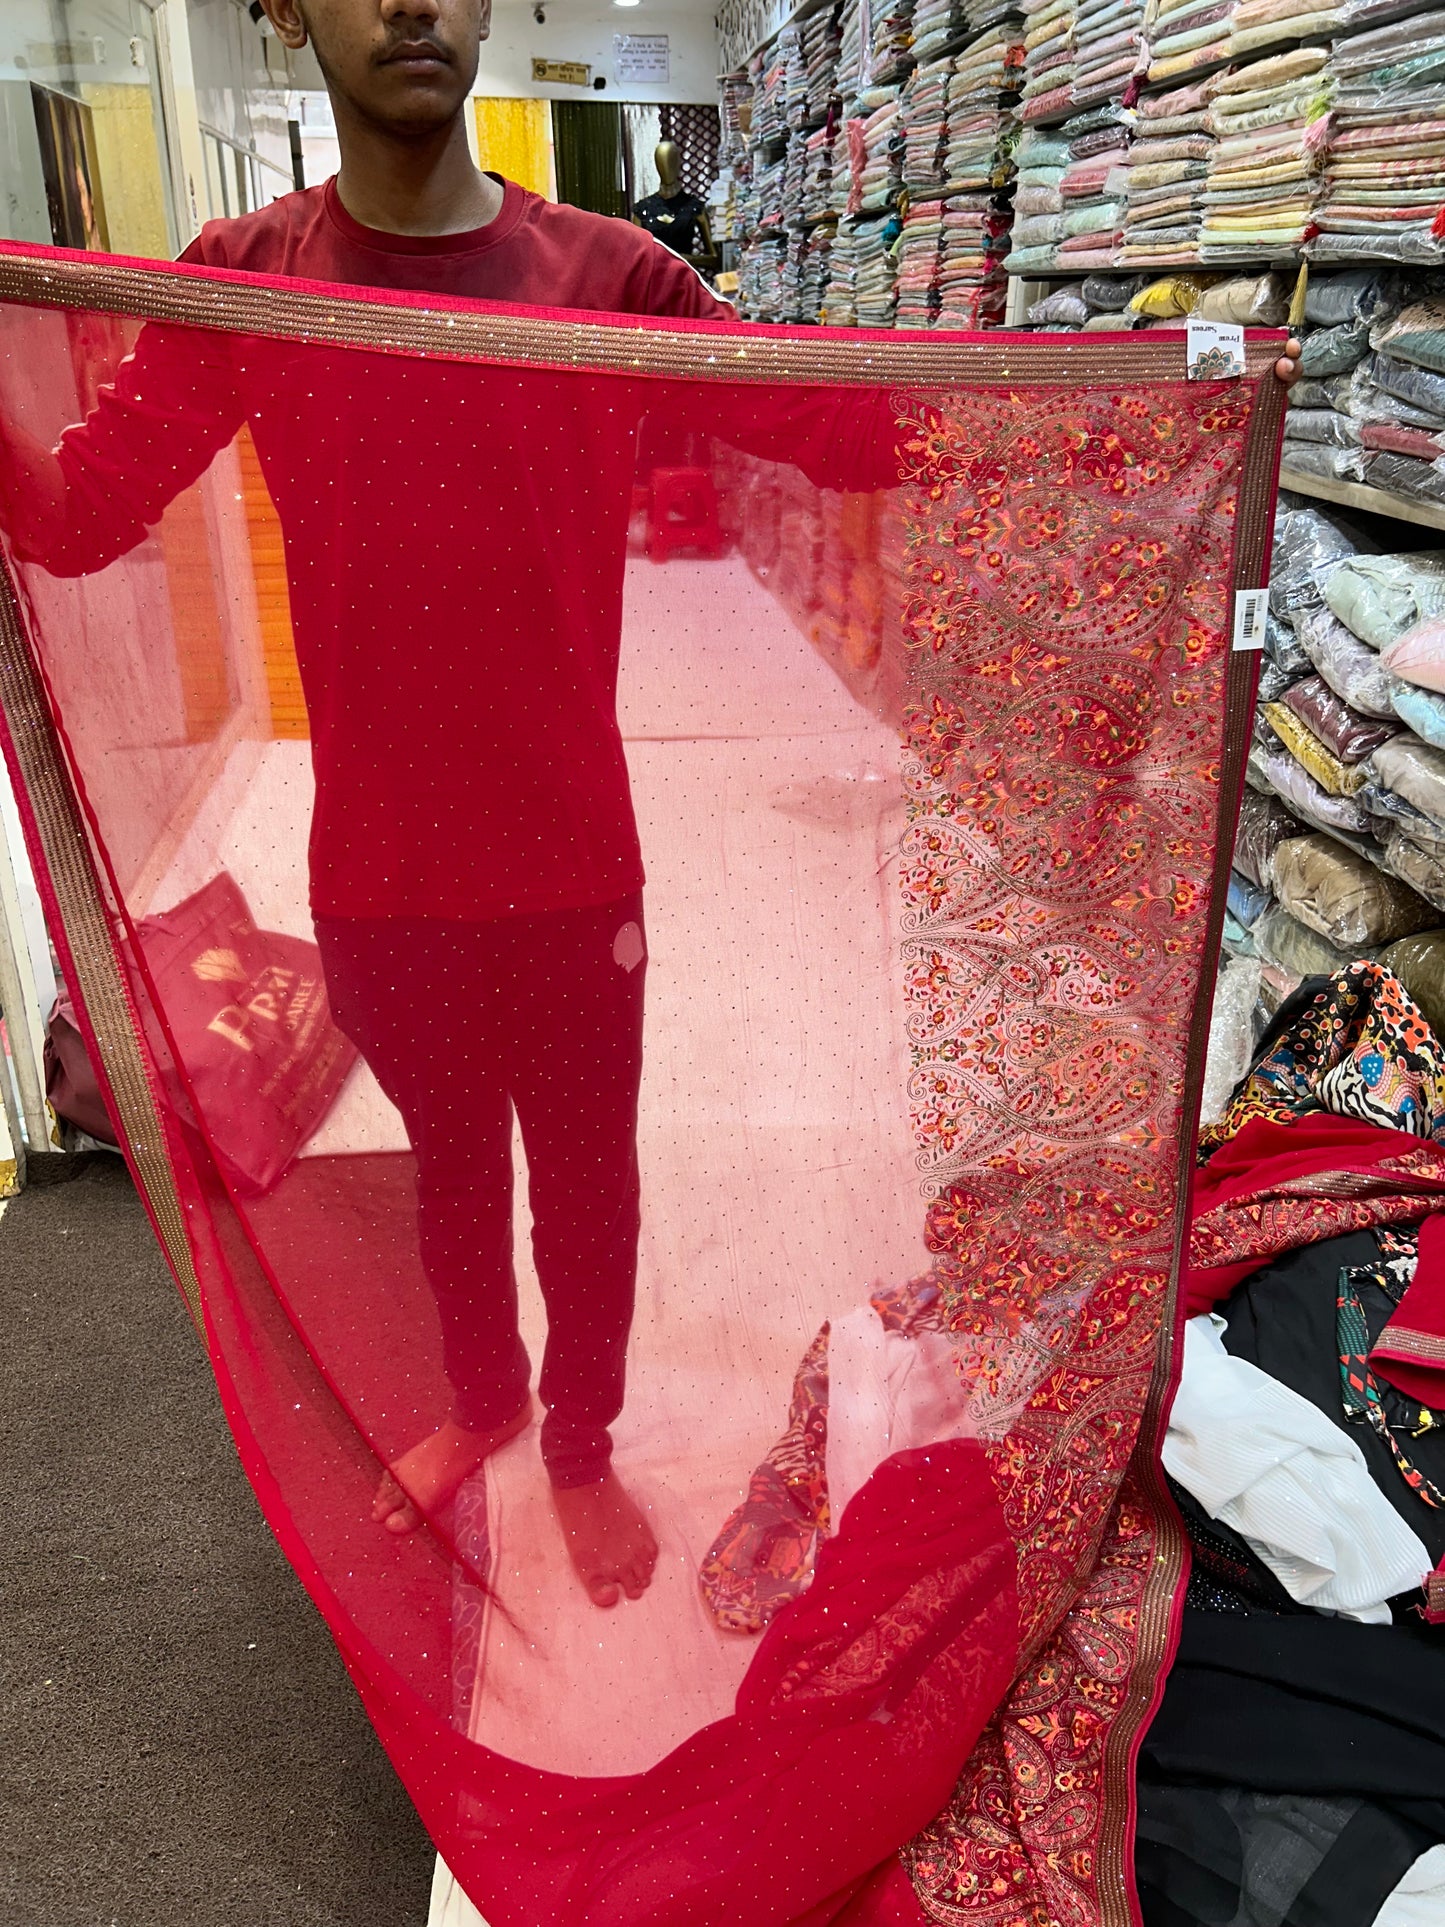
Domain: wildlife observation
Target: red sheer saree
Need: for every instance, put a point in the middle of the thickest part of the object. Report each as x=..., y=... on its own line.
x=923, y=695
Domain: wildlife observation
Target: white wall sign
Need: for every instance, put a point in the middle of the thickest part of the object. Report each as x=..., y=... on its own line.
x=642, y=58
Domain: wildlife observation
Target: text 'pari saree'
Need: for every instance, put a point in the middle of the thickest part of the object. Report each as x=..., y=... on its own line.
x=359, y=655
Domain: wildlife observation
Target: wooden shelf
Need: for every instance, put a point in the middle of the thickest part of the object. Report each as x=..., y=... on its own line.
x=1359, y=495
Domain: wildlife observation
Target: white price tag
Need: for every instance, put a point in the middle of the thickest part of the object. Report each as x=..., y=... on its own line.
x=1251, y=610
x=1214, y=350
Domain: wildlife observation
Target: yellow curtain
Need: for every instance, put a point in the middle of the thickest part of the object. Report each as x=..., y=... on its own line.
x=514, y=138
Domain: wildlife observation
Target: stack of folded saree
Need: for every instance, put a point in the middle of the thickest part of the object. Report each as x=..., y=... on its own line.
x=924, y=114
x=881, y=176
x=760, y=278
x=918, y=252
x=1384, y=180
x=851, y=51
x=1042, y=159
x=1270, y=126
x=1261, y=24
x=817, y=182
x=814, y=272
x=795, y=77
x=1049, y=32
x=1348, y=757
x=1090, y=188
x=769, y=70
x=840, y=294
x=820, y=49
x=976, y=166
x=876, y=242
x=1167, y=161
x=981, y=100
x=1108, y=37
x=790, y=289
x=1188, y=36
x=795, y=167
x=938, y=27
x=891, y=42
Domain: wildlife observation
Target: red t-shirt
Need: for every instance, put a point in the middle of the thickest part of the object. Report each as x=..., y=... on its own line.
x=542, y=254
x=455, y=541
x=490, y=781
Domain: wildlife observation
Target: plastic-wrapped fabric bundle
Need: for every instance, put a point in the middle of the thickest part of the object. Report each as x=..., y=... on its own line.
x=1296, y=949
x=1344, y=730
x=1406, y=475
x=1421, y=387
x=1284, y=650
x=1320, y=425
x=1264, y=823
x=1281, y=773
x=1110, y=293
x=1380, y=596
x=1273, y=681
x=1419, y=963
x=1417, y=655
x=1414, y=770
x=1422, y=870
x=1334, y=351
x=1314, y=756
x=1389, y=813
x=1334, y=464
x=1384, y=174
x=1309, y=542
x=1416, y=334
x=1234, y=938
x=1247, y=901
x=1359, y=294
x=1361, y=396
x=498, y=733
x=1254, y=301
x=1342, y=897
x=1420, y=710
x=1231, y=1035
x=1065, y=307
x=1350, y=667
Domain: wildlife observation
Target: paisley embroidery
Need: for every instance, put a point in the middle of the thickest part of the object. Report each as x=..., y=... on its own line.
x=1055, y=874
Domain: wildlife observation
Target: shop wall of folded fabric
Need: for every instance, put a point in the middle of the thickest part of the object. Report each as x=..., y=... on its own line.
x=934, y=773
x=1088, y=138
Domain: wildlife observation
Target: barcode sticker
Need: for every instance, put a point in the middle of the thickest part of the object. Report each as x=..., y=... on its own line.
x=1251, y=607
x=1213, y=350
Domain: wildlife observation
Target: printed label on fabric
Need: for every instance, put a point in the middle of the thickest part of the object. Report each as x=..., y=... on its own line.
x=1214, y=350
x=1251, y=606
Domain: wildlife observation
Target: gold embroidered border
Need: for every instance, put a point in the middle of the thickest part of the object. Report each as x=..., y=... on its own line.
x=101, y=984
x=1395, y=1339
x=1115, y=1880
x=818, y=357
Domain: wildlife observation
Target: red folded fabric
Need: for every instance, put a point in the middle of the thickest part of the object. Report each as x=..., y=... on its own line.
x=1410, y=1351
x=1275, y=1187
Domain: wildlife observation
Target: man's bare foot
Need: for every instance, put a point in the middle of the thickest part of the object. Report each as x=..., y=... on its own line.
x=424, y=1478
x=609, y=1541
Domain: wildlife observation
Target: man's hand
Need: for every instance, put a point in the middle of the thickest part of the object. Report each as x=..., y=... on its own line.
x=1287, y=367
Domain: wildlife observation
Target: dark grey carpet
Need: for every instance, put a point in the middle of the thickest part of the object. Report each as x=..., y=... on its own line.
x=179, y=1745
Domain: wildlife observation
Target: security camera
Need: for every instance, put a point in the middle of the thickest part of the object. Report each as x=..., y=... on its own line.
x=539, y=14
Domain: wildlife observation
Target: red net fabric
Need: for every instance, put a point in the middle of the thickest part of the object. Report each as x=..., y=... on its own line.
x=355, y=672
